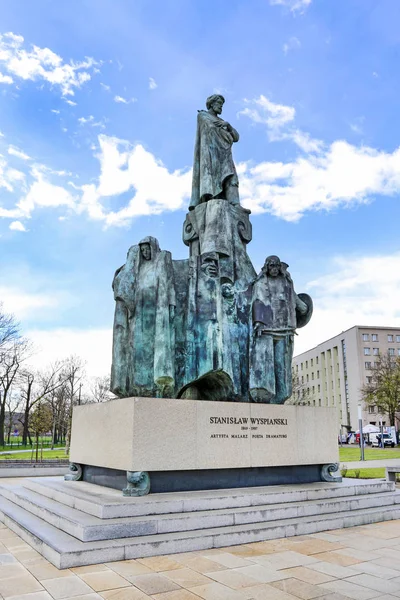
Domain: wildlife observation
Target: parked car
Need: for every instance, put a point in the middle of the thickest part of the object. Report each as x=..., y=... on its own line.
x=387, y=440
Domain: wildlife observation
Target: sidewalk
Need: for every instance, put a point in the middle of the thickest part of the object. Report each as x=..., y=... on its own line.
x=29, y=450
x=361, y=563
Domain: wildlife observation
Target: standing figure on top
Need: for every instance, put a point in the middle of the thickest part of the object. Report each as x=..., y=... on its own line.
x=214, y=172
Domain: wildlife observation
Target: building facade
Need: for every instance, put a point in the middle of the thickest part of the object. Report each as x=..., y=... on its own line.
x=334, y=372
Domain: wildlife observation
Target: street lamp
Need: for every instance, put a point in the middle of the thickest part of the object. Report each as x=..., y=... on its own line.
x=360, y=428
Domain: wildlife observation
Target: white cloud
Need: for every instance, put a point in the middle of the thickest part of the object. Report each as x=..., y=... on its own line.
x=44, y=194
x=122, y=100
x=17, y=226
x=152, y=84
x=6, y=79
x=83, y=120
x=356, y=291
x=292, y=44
x=292, y=5
x=274, y=116
x=27, y=304
x=323, y=178
x=71, y=102
x=43, y=64
x=8, y=177
x=105, y=87
x=93, y=345
x=124, y=168
x=55, y=111
x=13, y=151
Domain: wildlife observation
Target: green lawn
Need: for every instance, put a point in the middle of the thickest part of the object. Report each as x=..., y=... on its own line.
x=28, y=455
x=365, y=473
x=347, y=454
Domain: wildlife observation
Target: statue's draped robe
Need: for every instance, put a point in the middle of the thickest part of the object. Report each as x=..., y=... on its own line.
x=144, y=336
x=274, y=306
x=213, y=162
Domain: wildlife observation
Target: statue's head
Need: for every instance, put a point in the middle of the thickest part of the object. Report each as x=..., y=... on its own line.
x=227, y=290
x=145, y=251
x=215, y=102
x=209, y=265
x=272, y=266
x=149, y=248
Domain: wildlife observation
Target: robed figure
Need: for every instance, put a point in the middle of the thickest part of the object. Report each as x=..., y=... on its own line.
x=214, y=172
x=144, y=337
x=277, y=311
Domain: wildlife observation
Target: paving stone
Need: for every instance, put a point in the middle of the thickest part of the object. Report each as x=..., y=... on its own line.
x=130, y=593
x=285, y=560
x=6, y=559
x=262, y=573
x=234, y=579
x=351, y=590
x=104, y=580
x=308, y=575
x=45, y=570
x=33, y=596
x=21, y=584
x=332, y=569
x=378, y=570
x=216, y=591
x=337, y=558
x=230, y=561
x=154, y=583
x=66, y=587
x=187, y=578
x=202, y=565
x=297, y=588
x=376, y=583
x=129, y=568
x=266, y=591
x=159, y=563
x=88, y=569
x=177, y=595
x=316, y=546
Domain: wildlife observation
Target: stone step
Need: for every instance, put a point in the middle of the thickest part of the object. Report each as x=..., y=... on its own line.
x=65, y=551
x=90, y=528
x=107, y=503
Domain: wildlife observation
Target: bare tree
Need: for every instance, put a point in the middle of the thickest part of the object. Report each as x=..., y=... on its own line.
x=75, y=371
x=9, y=330
x=38, y=385
x=11, y=362
x=383, y=390
x=13, y=404
x=100, y=390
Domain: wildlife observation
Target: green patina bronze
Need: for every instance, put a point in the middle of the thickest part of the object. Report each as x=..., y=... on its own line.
x=208, y=327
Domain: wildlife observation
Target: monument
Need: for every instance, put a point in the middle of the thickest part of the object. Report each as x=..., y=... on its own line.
x=202, y=349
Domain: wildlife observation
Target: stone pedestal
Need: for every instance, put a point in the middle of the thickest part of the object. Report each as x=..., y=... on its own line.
x=185, y=444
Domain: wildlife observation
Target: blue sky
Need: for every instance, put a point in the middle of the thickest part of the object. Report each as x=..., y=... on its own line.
x=98, y=104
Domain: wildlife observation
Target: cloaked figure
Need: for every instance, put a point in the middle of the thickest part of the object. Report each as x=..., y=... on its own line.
x=277, y=311
x=214, y=172
x=144, y=337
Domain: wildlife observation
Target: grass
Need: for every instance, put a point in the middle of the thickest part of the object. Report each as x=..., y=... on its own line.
x=367, y=473
x=348, y=454
x=28, y=455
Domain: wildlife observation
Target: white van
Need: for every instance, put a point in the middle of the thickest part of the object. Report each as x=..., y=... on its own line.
x=375, y=438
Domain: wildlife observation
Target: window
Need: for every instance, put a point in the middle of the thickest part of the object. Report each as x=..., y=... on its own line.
x=374, y=337
x=312, y=362
x=316, y=360
x=308, y=379
x=297, y=368
x=302, y=379
x=398, y=351
x=371, y=409
x=365, y=337
x=317, y=374
x=398, y=339
x=312, y=374
x=319, y=388
x=367, y=351
x=306, y=364
x=319, y=402
x=301, y=366
x=375, y=351
x=391, y=351
x=331, y=369
x=390, y=337
x=367, y=365
x=369, y=379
